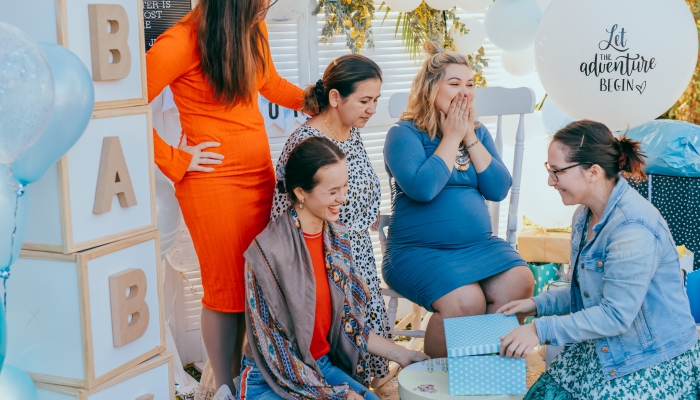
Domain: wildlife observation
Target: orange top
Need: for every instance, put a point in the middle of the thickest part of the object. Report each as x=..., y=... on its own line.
x=174, y=60
x=322, y=323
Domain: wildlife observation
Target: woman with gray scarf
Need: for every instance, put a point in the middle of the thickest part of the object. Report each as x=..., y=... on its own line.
x=306, y=303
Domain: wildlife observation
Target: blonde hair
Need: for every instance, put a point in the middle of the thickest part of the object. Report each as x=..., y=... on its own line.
x=421, y=102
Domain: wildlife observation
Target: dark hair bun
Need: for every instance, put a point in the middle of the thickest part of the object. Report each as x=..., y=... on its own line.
x=320, y=89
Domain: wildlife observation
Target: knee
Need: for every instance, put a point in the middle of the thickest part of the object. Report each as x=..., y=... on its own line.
x=525, y=285
x=465, y=305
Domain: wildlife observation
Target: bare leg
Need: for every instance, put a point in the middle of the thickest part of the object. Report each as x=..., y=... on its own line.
x=240, y=341
x=515, y=284
x=223, y=335
x=461, y=302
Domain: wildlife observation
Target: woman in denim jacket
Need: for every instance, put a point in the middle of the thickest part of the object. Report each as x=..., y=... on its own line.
x=626, y=317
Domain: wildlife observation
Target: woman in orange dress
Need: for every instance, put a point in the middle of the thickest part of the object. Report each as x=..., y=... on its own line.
x=216, y=61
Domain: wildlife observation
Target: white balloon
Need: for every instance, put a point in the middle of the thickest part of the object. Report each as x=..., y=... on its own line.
x=471, y=41
x=168, y=212
x=539, y=202
x=474, y=6
x=553, y=117
x=543, y=4
x=403, y=5
x=512, y=24
x=621, y=62
x=519, y=63
x=441, y=4
x=286, y=10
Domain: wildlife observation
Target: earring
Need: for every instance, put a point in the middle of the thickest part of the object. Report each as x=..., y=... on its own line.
x=301, y=205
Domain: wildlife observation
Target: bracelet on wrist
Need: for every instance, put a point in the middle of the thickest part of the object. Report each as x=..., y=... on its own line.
x=469, y=146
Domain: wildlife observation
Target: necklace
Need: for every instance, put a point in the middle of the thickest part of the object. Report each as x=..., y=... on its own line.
x=313, y=235
x=329, y=128
x=463, y=160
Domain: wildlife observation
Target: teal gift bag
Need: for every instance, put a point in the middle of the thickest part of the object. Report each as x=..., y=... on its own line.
x=543, y=274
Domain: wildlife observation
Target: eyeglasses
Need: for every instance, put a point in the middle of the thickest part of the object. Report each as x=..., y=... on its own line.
x=553, y=172
x=262, y=12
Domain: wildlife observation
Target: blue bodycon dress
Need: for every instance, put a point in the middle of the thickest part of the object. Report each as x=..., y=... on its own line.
x=440, y=235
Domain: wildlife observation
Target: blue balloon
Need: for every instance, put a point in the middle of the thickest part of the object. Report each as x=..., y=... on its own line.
x=15, y=384
x=512, y=24
x=26, y=92
x=14, y=214
x=3, y=336
x=74, y=99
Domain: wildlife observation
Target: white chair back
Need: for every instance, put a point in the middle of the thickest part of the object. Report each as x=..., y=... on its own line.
x=493, y=101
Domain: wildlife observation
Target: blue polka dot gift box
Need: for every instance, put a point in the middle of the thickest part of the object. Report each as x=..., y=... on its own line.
x=475, y=367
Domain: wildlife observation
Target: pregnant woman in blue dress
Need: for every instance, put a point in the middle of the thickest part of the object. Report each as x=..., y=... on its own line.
x=441, y=252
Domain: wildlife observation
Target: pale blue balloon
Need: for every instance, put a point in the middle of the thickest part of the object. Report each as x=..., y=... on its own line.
x=14, y=214
x=74, y=99
x=512, y=24
x=26, y=92
x=3, y=336
x=15, y=384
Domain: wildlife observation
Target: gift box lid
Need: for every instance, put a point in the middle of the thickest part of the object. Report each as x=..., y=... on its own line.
x=477, y=335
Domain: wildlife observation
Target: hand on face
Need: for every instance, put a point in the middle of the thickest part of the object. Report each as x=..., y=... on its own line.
x=456, y=123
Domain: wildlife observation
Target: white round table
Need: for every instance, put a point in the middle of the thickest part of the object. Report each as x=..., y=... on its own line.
x=428, y=380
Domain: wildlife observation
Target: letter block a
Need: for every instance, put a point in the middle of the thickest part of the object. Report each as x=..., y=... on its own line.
x=113, y=178
x=109, y=31
x=125, y=331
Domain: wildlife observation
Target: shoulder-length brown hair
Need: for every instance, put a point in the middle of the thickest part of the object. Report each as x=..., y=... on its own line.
x=233, y=47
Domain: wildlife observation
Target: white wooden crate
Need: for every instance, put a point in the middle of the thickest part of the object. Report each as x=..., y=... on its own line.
x=151, y=378
x=60, y=307
x=67, y=22
x=62, y=217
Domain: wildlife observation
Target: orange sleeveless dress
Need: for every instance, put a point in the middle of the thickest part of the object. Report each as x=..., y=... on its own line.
x=224, y=210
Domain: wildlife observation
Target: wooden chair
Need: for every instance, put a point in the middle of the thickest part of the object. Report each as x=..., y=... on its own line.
x=490, y=101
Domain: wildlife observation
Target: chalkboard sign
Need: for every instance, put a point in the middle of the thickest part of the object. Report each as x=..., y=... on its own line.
x=160, y=15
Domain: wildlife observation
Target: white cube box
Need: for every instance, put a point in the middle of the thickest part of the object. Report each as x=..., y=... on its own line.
x=151, y=380
x=109, y=39
x=80, y=320
x=73, y=206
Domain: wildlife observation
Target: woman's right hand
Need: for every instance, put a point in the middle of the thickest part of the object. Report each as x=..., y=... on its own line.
x=354, y=395
x=455, y=124
x=200, y=157
x=526, y=307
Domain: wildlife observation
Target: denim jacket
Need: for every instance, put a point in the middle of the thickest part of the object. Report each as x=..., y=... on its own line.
x=628, y=296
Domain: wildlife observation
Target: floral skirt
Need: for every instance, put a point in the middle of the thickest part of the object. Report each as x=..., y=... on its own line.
x=577, y=374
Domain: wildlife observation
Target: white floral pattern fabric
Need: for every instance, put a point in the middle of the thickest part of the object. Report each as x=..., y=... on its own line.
x=576, y=374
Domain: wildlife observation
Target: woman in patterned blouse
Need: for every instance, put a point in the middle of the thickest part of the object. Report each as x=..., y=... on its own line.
x=342, y=102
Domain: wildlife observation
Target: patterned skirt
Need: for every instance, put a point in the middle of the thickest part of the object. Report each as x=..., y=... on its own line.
x=577, y=374
x=377, y=319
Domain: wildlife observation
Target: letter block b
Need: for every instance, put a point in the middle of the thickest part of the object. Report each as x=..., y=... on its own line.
x=109, y=31
x=125, y=330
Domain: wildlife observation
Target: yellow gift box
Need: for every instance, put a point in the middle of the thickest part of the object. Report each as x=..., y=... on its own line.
x=537, y=245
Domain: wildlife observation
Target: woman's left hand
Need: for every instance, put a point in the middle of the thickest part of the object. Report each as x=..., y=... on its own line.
x=409, y=357
x=520, y=342
x=471, y=133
